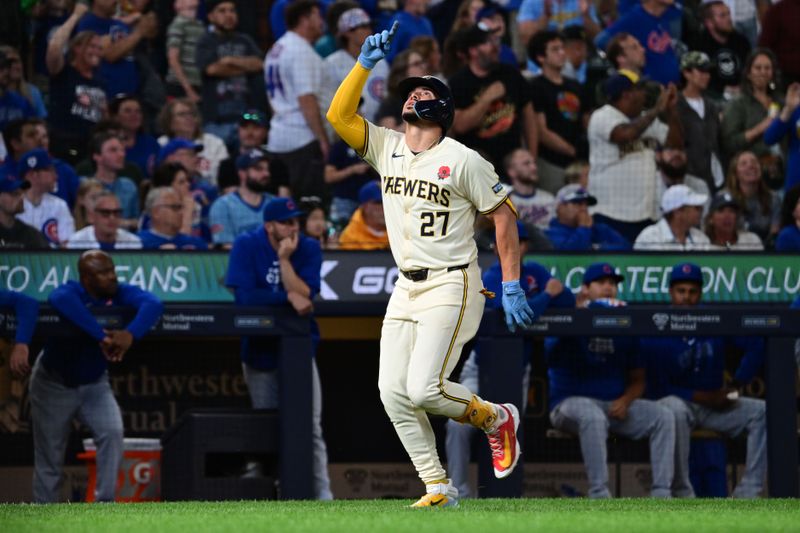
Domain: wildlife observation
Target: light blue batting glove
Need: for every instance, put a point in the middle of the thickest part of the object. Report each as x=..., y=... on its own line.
x=515, y=305
x=376, y=47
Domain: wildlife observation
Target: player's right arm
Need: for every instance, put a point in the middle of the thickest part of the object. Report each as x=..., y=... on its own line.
x=342, y=113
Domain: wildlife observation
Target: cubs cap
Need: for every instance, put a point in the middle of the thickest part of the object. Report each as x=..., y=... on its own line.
x=370, y=192
x=695, y=59
x=11, y=185
x=250, y=159
x=574, y=193
x=279, y=209
x=488, y=11
x=255, y=116
x=597, y=271
x=177, y=144
x=33, y=160
x=724, y=199
x=352, y=19
x=679, y=196
x=686, y=272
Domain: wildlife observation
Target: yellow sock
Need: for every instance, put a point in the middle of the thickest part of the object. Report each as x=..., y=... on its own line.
x=479, y=413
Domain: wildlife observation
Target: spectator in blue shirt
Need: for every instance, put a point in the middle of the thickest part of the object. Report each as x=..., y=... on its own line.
x=542, y=291
x=686, y=375
x=789, y=237
x=165, y=209
x=70, y=378
x=118, y=68
x=12, y=105
x=108, y=155
x=141, y=148
x=650, y=22
x=26, y=310
x=596, y=386
x=275, y=265
x=787, y=124
x=413, y=23
x=242, y=210
x=573, y=228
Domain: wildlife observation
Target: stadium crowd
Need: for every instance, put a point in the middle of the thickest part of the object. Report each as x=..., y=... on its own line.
x=649, y=125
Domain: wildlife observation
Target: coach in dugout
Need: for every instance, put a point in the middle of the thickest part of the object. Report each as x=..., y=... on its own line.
x=70, y=377
x=276, y=265
x=686, y=375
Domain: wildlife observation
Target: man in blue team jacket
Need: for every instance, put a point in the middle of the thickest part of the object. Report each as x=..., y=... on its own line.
x=276, y=265
x=573, y=228
x=70, y=377
x=686, y=374
x=596, y=385
x=542, y=291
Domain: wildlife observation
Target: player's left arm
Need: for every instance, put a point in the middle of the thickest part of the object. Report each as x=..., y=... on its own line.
x=505, y=224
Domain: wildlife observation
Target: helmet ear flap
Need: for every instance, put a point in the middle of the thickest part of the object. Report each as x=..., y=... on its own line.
x=438, y=110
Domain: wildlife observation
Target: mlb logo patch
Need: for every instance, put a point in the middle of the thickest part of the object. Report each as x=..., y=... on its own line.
x=497, y=187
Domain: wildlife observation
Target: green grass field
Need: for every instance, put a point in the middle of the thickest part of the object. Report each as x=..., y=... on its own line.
x=369, y=516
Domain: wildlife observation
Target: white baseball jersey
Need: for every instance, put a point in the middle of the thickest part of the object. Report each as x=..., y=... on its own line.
x=430, y=200
x=291, y=69
x=52, y=217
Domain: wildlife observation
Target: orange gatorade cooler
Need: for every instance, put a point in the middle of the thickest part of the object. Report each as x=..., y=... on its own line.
x=139, y=477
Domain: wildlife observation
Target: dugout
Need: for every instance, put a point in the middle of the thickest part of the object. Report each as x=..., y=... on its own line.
x=178, y=370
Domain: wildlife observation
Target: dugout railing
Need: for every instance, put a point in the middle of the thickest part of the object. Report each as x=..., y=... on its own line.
x=501, y=371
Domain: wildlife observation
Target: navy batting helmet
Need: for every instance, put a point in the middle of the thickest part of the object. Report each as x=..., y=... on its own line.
x=441, y=110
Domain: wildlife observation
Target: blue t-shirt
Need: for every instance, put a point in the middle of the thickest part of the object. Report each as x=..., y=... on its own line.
x=231, y=216
x=788, y=239
x=122, y=76
x=598, y=237
x=410, y=27
x=654, y=35
x=681, y=365
x=775, y=133
x=144, y=153
x=343, y=156
x=14, y=106
x=78, y=360
x=127, y=194
x=181, y=241
x=594, y=367
x=564, y=13
x=255, y=275
x=26, y=310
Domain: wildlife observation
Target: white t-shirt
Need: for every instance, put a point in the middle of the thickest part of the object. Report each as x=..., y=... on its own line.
x=536, y=209
x=745, y=241
x=623, y=178
x=291, y=69
x=659, y=237
x=52, y=217
x=85, y=239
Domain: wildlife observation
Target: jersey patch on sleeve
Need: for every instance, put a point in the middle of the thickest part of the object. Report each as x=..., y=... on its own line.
x=497, y=188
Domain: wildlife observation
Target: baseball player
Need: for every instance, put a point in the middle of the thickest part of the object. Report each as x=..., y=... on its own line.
x=432, y=189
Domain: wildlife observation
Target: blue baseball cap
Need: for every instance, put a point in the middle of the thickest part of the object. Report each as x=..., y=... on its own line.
x=370, y=192
x=623, y=80
x=8, y=184
x=176, y=144
x=686, y=272
x=250, y=158
x=279, y=209
x=35, y=159
x=597, y=271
